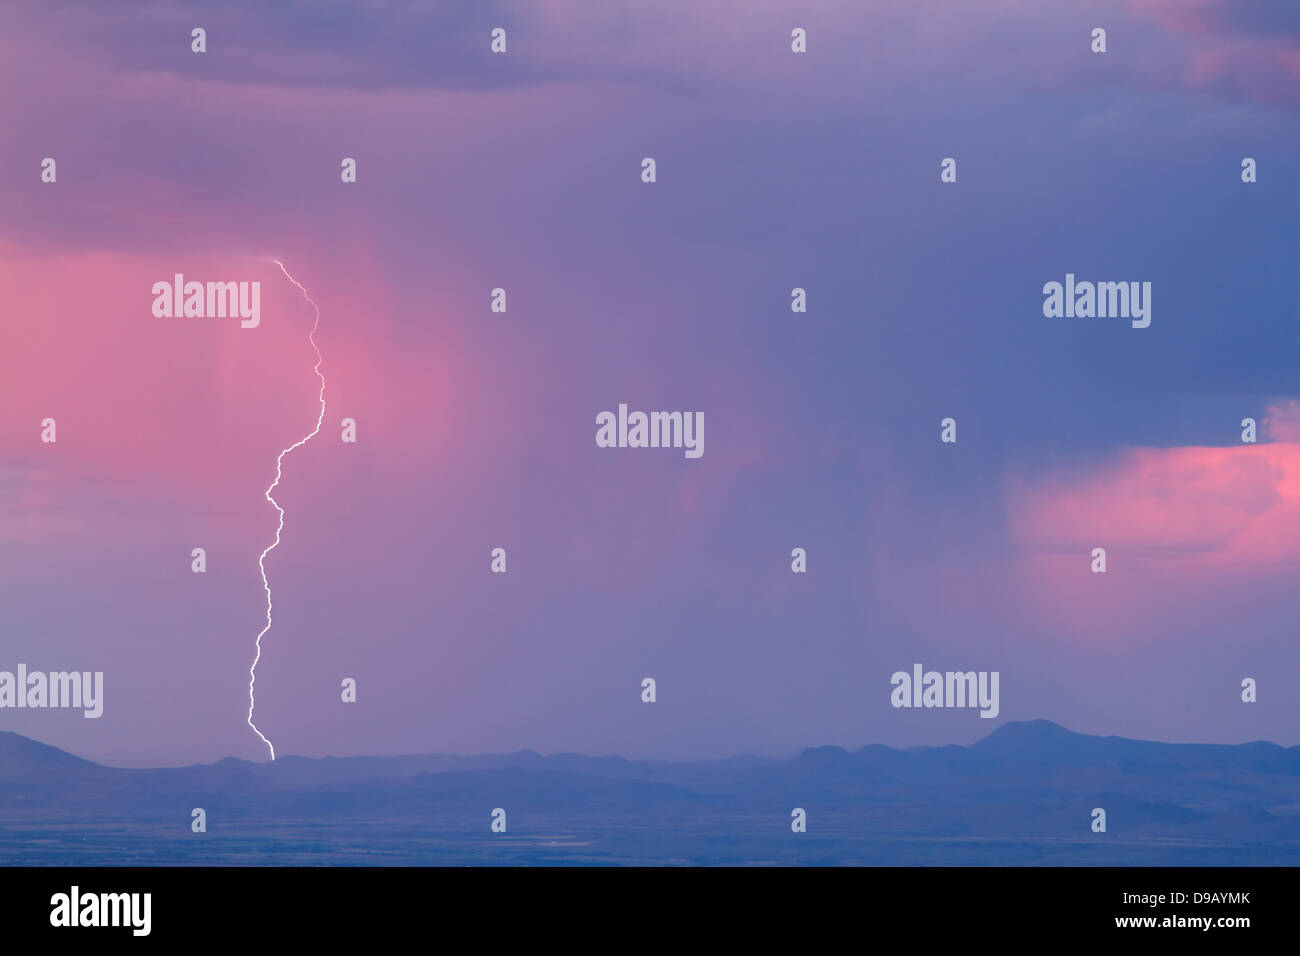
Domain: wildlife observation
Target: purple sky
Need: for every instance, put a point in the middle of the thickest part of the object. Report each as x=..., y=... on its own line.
x=476, y=430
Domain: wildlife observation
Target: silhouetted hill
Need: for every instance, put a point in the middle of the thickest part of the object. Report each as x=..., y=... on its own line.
x=21, y=756
x=1024, y=794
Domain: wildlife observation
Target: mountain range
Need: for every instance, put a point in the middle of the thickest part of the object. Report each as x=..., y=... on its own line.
x=1024, y=795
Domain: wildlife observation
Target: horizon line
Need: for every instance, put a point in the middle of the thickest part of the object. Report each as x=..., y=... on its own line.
x=786, y=757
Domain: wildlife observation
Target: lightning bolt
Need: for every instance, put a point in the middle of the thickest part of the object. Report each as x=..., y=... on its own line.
x=261, y=561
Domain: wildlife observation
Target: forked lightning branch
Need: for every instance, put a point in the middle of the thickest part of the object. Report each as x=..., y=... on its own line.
x=279, y=464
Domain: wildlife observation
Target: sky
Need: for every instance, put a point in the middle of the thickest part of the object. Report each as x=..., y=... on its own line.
x=476, y=430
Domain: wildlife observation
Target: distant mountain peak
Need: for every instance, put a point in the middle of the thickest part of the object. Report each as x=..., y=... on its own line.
x=18, y=752
x=1036, y=729
x=826, y=750
x=1028, y=737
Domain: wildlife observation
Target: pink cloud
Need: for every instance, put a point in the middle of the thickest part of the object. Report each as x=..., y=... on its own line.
x=1228, y=48
x=1201, y=499
x=1282, y=421
x=1182, y=527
